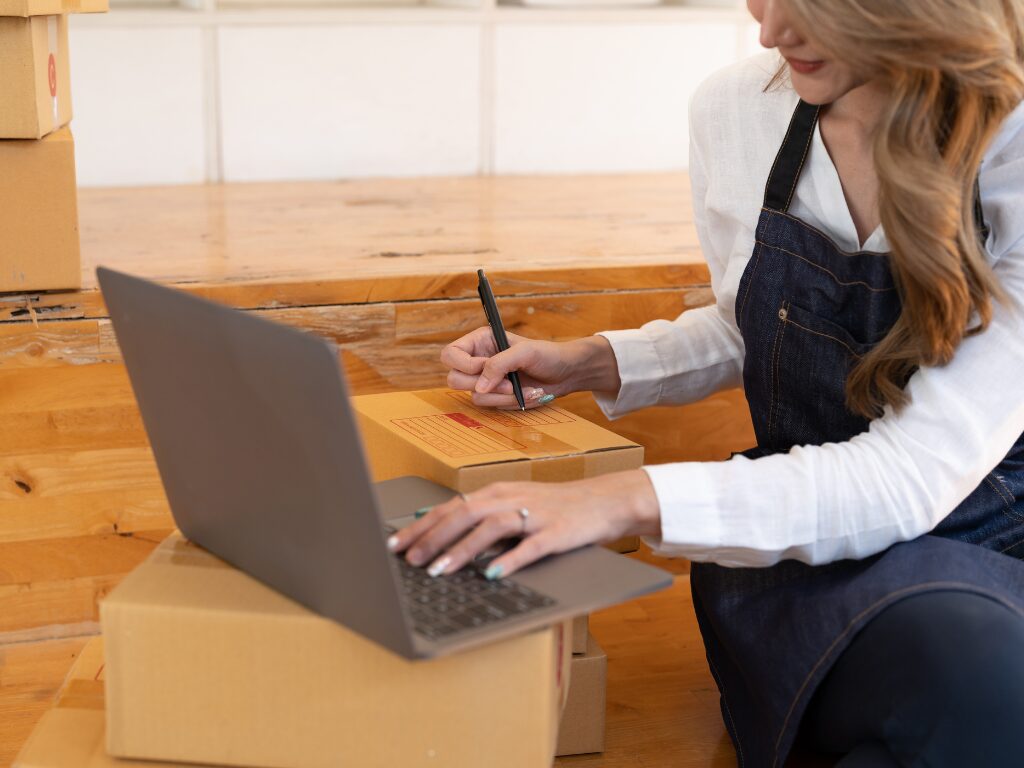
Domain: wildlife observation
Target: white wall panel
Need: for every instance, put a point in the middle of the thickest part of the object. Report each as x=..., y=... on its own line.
x=600, y=97
x=347, y=101
x=138, y=105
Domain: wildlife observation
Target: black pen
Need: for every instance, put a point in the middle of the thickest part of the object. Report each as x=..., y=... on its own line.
x=494, y=320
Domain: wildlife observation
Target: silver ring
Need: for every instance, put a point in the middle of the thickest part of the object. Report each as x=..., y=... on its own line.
x=524, y=513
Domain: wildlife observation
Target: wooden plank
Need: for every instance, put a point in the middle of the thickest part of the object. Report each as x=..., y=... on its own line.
x=58, y=495
x=30, y=676
x=48, y=584
x=379, y=328
x=313, y=243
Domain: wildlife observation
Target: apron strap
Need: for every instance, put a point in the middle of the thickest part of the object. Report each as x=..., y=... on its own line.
x=789, y=162
x=778, y=192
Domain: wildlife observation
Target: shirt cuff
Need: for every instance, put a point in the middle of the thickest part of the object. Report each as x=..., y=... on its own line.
x=691, y=524
x=640, y=372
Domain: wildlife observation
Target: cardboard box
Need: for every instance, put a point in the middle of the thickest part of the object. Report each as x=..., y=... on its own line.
x=440, y=435
x=206, y=665
x=39, y=247
x=580, y=633
x=26, y=8
x=36, y=96
x=582, y=727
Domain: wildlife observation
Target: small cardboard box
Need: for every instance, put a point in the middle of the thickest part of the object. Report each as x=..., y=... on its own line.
x=441, y=435
x=204, y=664
x=36, y=96
x=582, y=728
x=39, y=247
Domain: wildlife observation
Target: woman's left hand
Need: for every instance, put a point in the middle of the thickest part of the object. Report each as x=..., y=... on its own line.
x=560, y=517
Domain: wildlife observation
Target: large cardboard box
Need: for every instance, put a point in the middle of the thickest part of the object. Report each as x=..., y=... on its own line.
x=39, y=247
x=441, y=435
x=582, y=728
x=36, y=95
x=206, y=665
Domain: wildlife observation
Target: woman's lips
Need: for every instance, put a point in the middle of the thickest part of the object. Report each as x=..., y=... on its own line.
x=805, y=67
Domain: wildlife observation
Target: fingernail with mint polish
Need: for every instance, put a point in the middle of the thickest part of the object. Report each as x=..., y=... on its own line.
x=421, y=512
x=494, y=572
x=546, y=399
x=439, y=566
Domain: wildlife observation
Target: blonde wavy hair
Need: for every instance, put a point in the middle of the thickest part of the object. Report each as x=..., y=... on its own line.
x=955, y=69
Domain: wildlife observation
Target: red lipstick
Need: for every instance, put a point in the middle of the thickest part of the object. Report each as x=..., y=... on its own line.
x=805, y=67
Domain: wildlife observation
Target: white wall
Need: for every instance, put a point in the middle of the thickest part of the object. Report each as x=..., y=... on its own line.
x=172, y=96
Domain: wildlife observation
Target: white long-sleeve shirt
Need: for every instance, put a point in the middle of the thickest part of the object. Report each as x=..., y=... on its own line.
x=892, y=483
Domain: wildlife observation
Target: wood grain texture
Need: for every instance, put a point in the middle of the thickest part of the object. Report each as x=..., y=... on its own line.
x=49, y=584
x=373, y=240
x=30, y=675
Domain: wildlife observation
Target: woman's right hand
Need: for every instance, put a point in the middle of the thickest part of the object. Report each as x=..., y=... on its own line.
x=545, y=367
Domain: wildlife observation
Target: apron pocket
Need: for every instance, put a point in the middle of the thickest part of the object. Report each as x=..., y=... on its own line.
x=811, y=359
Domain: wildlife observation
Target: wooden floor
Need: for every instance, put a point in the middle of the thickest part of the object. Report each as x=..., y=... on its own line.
x=385, y=268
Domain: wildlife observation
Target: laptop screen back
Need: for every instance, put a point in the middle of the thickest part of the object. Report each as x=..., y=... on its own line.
x=259, y=451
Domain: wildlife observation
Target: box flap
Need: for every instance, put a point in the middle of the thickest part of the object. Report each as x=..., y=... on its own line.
x=451, y=429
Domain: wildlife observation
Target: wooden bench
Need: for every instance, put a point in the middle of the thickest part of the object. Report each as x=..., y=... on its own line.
x=383, y=267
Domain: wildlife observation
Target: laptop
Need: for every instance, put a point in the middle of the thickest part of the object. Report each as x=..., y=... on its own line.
x=261, y=458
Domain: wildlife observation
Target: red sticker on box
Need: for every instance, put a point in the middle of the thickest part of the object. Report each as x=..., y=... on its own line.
x=52, y=72
x=464, y=420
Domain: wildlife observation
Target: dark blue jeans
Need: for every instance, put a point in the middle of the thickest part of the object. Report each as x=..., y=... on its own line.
x=934, y=680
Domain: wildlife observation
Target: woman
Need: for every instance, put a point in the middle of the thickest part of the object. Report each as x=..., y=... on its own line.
x=862, y=212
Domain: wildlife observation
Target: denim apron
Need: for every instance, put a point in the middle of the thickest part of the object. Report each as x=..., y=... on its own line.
x=807, y=311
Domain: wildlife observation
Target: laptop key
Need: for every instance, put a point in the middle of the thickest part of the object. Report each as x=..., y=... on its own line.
x=445, y=605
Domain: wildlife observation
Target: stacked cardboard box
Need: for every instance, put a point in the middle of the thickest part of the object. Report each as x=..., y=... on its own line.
x=441, y=435
x=205, y=665
x=38, y=207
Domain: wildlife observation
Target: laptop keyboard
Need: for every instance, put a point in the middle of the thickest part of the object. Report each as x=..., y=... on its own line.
x=445, y=605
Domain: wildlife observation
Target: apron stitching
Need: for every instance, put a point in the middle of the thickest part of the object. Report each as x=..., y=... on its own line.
x=825, y=270
x=776, y=385
x=803, y=159
x=828, y=239
x=750, y=279
x=1004, y=550
x=890, y=598
x=725, y=705
x=1008, y=499
x=827, y=336
x=994, y=487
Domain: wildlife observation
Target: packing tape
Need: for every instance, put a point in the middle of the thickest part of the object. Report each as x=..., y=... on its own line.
x=51, y=65
x=181, y=551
